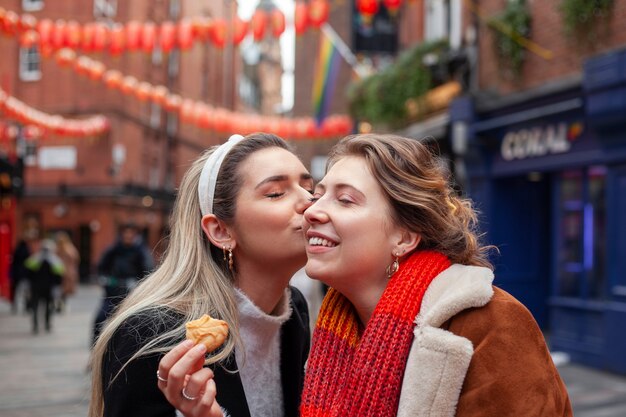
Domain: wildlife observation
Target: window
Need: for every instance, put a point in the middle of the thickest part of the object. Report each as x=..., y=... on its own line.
x=443, y=21
x=32, y=5
x=582, y=233
x=30, y=64
x=106, y=9
x=155, y=116
x=378, y=36
x=173, y=61
x=171, y=124
x=174, y=9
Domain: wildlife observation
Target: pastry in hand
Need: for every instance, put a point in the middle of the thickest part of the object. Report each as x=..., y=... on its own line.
x=212, y=332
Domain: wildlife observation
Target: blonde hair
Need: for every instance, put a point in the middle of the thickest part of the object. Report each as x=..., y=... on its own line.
x=418, y=189
x=193, y=279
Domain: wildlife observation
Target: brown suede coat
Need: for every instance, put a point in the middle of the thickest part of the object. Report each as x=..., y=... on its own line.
x=511, y=372
x=477, y=351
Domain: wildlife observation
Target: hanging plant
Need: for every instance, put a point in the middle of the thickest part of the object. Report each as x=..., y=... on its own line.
x=381, y=99
x=509, y=28
x=583, y=18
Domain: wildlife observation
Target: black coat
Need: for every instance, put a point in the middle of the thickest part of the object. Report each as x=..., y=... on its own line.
x=135, y=391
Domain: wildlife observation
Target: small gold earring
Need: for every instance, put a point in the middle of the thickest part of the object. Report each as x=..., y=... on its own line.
x=230, y=259
x=393, y=268
x=224, y=251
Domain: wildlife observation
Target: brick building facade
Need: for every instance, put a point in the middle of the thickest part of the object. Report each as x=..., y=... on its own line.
x=130, y=173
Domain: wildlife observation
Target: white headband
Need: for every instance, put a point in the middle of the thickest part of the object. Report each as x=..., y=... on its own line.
x=208, y=177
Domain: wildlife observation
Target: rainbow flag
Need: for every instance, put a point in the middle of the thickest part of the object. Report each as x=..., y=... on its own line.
x=326, y=70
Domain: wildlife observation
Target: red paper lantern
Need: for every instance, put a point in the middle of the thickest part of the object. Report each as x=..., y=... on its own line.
x=278, y=22
x=240, y=30
x=318, y=12
x=86, y=42
x=143, y=90
x=72, y=34
x=100, y=37
x=185, y=34
x=258, y=23
x=112, y=78
x=28, y=22
x=11, y=22
x=201, y=27
x=167, y=36
x=392, y=6
x=218, y=32
x=65, y=57
x=301, y=18
x=33, y=132
x=133, y=35
x=29, y=39
x=367, y=9
x=45, y=27
x=128, y=85
x=204, y=116
x=173, y=102
x=58, y=34
x=148, y=36
x=117, y=39
x=186, y=110
x=221, y=120
x=159, y=94
x=82, y=64
x=96, y=70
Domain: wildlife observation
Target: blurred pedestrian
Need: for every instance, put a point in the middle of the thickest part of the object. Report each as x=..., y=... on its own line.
x=70, y=258
x=121, y=267
x=19, y=286
x=44, y=270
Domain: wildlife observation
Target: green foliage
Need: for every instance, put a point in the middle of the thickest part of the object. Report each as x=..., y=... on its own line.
x=581, y=17
x=381, y=98
x=510, y=29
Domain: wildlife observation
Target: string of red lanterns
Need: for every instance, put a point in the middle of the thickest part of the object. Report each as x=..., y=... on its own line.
x=201, y=114
x=134, y=36
x=39, y=123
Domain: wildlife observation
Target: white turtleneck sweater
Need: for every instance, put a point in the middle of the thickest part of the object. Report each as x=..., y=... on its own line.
x=259, y=363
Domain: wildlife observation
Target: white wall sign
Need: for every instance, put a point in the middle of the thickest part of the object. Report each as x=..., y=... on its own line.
x=57, y=157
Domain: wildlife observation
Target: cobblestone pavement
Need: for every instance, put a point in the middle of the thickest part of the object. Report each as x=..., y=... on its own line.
x=45, y=375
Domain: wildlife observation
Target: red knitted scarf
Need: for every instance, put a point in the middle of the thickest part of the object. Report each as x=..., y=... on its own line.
x=353, y=374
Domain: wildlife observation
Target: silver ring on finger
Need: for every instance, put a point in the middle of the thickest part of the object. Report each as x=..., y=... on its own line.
x=160, y=378
x=187, y=396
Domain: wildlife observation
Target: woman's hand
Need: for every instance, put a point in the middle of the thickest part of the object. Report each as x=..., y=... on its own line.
x=187, y=385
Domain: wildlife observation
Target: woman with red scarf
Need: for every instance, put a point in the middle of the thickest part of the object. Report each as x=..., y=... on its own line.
x=412, y=325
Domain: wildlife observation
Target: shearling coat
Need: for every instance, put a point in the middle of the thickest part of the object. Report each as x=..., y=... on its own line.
x=478, y=351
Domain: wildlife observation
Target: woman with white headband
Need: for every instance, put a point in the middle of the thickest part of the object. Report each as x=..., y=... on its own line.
x=235, y=242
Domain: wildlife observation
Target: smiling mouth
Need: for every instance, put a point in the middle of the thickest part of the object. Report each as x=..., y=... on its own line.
x=318, y=241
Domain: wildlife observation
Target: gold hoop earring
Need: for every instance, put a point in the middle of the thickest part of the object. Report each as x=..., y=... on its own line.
x=230, y=259
x=393, y=268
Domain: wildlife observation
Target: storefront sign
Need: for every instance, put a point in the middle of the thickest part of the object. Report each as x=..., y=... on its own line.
x=539, y=141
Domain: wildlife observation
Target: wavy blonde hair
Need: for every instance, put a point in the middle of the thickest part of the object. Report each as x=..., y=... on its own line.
x=193, y=279
x=417, y=186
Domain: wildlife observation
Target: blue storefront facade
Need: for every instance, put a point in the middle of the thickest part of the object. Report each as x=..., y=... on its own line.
x=548, y=174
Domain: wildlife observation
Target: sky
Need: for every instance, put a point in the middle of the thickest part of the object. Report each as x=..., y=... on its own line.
x=287, y=44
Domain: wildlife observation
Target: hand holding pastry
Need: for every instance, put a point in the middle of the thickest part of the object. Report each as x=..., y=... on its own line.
x=186, y=384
